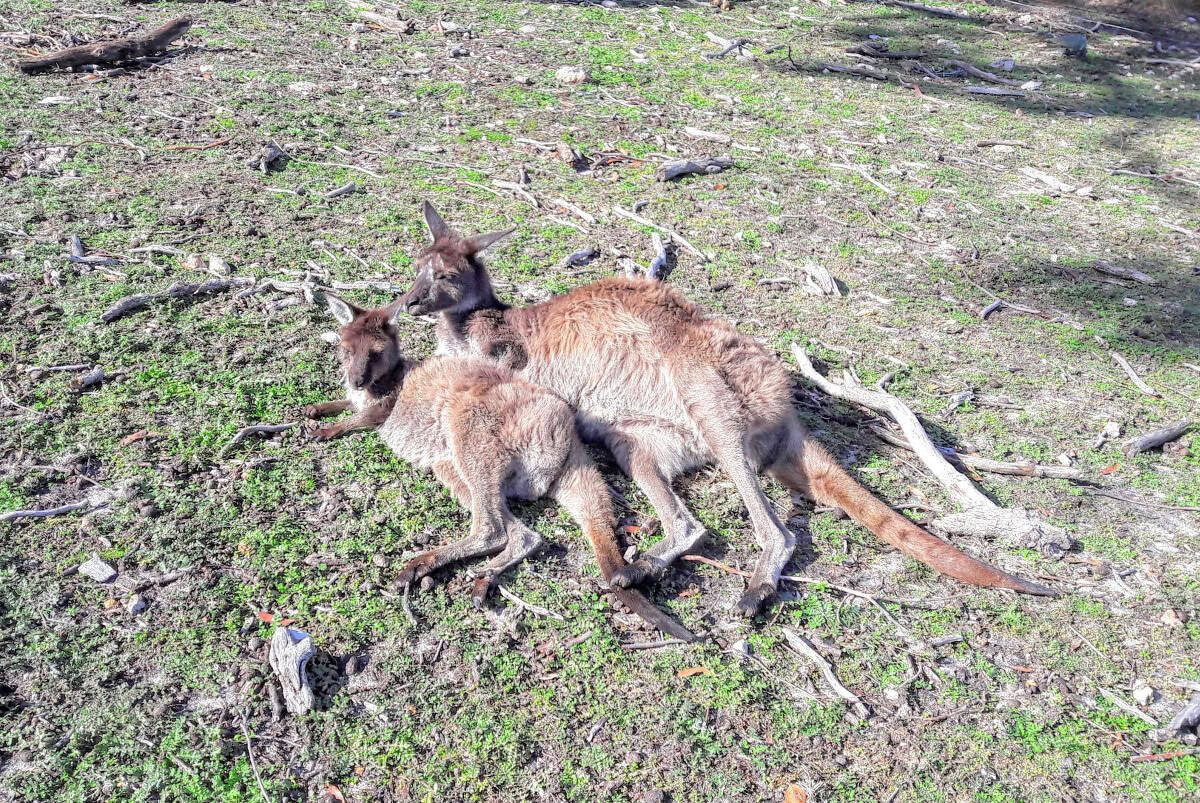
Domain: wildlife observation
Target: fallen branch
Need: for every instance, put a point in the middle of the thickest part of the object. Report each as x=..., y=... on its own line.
x=939, y=12
x=870, y=52
x=980, y=517
x=179, y=290
x=802, y=645
x=705, y=165
x=253, y=429
x=253, y=764
x=110, y=52
x=346, y=189
x=1167, y=756
x=1127, y=708
x=993, y=90
x=733, y=44
x=575, y=210
x=405, y=605
x=983, y=75
x=691, y=249
x=166, y=579
x=657, y=267
x=977, y=463
x=207, y=146
x=856, y=70
x=289, y=656
x=1152, y=440
x=1133, y=377
x=1124, y=273
x=1012, y=143
x=12, y=515
x=519, y=190
x=653, y=645
x=862, y=171
x=534, y=609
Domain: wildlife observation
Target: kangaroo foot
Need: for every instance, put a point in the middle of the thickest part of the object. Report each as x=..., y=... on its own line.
x=483, y=585
x=641, y=570
x=754, y=599
x=416, y=569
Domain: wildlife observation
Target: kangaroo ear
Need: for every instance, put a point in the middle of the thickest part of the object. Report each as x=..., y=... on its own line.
x=342, y=310
x=395, y=310
x=437, y=227
x=481, y=242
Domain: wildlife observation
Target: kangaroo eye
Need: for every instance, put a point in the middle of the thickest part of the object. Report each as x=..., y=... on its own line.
x=441, y=277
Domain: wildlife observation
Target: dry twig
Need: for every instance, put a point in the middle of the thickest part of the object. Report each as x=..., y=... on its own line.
x=253, y=429
x=1132, y=374
x=1152, y=440
x=110, y=52
x=802, y=645
x=534, y=609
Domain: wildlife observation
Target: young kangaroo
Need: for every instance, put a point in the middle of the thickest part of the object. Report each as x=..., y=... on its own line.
x=486, y=435
x=667, y=390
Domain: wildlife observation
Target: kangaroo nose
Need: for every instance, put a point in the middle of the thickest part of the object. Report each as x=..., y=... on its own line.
x=411, y=303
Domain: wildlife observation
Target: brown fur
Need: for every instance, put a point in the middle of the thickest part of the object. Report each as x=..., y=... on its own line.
x=486, y=435
x=667, y=389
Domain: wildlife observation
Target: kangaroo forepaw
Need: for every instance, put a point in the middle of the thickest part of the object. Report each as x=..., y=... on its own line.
x=479, y=593
x=312, y=411
x=754, y=599
x=644, y=569
x=416, y=569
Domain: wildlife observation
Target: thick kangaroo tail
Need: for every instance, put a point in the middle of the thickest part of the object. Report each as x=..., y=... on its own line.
x=813, y=472
x=582, y=491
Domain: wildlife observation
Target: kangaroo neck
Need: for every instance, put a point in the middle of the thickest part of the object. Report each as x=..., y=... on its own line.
x=456, y=327
x=389, y=384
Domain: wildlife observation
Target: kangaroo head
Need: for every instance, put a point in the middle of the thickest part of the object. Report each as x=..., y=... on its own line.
x=369, y=349
x=450, y=275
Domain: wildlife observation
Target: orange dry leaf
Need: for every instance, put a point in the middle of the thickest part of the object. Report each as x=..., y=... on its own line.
x=693, y=670
x=720, y=186
x=243, y=548
x=335, y=793
x=1110, y=469
x=359, y=770
x=133, y=437
x=266, y=617
x=631, y=528
x=109, y=603
x=285, y=622
x=795, y=794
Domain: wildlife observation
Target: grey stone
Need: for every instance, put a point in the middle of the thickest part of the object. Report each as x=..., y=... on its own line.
x=99, y=570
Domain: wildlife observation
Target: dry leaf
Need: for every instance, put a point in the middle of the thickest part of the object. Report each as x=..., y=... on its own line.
x=243, y=548
x=335, y=793
x=693, y=670
x=359, y=770
x=109, y=603
x=720, y=186
x=266, y=617
x=795, y=794
x=133, y=437
x=631, y=528
x=1110, y=469
x=286, y=622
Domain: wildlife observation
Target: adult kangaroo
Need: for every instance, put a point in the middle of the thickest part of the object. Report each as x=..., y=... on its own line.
x=666, y=389
x=487, y=435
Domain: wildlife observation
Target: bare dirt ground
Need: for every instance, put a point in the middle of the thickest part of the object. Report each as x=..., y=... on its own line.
x=927, y=202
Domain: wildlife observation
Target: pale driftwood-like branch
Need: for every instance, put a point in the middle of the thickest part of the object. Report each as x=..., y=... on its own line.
x=253, y=764
x=939, y=12
x=653, y=645
x=977, y=463
x=179, y=290
x=12, y=515
x=254, y=429
x=1132, y=374
x=1127, y=708
x=980, y=517
x=289, y=655
x=529, y=606
x=862, y=171
x=683, y=167
x=513, y=186
x=801, y=645
x=855, y=70
x=1152, y=440
x=111, y=52
x=866, y=50
x=691, y=249
x=994, y=90
x=983, y=75
x=657, y=267
x=1124, y=273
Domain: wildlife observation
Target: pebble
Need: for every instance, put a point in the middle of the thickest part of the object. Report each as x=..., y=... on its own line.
x=1144, y=695
x=426, y=583
x=351, y=665
x=135, y=604
x=99, y=570
x=254, y=644
x=380, y=561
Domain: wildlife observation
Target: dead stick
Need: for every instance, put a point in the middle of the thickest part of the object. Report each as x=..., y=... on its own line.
x=12, y=515
x=112, y=51
x=939, y=12
x=1166, y=756
x=253, y=764
x=978, y=463
x=407, y=608
x=179, y=290
x=1133, y=377
x=802, y=645
x=971, y=69
x=652, y=645
x=204, y=147
x=253, y=429
x=535, y=609
x=1127, y=708
x=1158, y=437
x=691, y=249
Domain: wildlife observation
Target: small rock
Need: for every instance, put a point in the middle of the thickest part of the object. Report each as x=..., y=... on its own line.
x=1144, y=695
x=952, y=327
x=1171, y=617
x=1129, y=302
x=427, y=583
x=528, y=29
x=99, y=570
x=1004, y=64
x=1064, y=459
x=380, y=561
x=609, y=3
x=359, y=27
x=351, y=666
x=571, y=75
x=135, y=604
x=893, y=695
